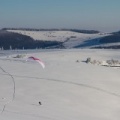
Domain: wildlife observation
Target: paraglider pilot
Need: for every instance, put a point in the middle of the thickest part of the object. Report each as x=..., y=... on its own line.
x=40, y=103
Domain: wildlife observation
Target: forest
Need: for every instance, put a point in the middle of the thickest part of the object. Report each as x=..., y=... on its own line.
x=10, y=40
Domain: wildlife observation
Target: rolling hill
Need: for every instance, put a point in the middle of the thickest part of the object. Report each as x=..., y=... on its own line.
x=55, y=38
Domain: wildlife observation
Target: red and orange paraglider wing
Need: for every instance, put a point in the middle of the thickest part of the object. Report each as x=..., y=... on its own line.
x=37, y=60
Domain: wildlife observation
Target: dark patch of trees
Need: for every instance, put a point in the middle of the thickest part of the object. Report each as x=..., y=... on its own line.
x=85, y=31
x=73, y=30
x=10, y=40
x=116, y=33
x=111, y=39
x=107, y=47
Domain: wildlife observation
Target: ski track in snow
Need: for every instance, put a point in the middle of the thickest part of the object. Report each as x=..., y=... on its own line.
x=78, y=84
x=67, y=82
x=48, y=79
x=13, y=96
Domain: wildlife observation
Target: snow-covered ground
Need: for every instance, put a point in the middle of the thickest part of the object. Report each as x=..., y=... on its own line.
x=68, y=88
x=70, y=39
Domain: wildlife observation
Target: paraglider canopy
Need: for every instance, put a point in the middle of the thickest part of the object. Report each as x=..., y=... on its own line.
x=37, y=60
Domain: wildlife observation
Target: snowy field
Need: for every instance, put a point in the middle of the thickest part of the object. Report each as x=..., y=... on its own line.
x=68, y=88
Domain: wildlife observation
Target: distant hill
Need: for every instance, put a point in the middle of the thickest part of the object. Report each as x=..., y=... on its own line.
x=110, y=39
x=10, y=40
x=68, y=38
x=57, y=38
x=110, y=42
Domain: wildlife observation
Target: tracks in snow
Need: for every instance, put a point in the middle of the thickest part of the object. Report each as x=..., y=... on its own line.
x=48, y=79
x=73, y=83
x=13, y=95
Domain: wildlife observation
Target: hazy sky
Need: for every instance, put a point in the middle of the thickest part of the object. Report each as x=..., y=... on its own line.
x=103, y=15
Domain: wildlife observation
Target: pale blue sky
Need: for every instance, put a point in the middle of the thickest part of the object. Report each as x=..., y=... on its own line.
x=103, y=15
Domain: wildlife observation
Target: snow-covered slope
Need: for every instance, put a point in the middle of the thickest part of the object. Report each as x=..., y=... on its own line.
x=70, y=39
x=68, y=88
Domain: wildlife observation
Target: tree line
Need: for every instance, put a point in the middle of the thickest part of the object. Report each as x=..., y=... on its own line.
x=10, y=40
x=73, y=30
